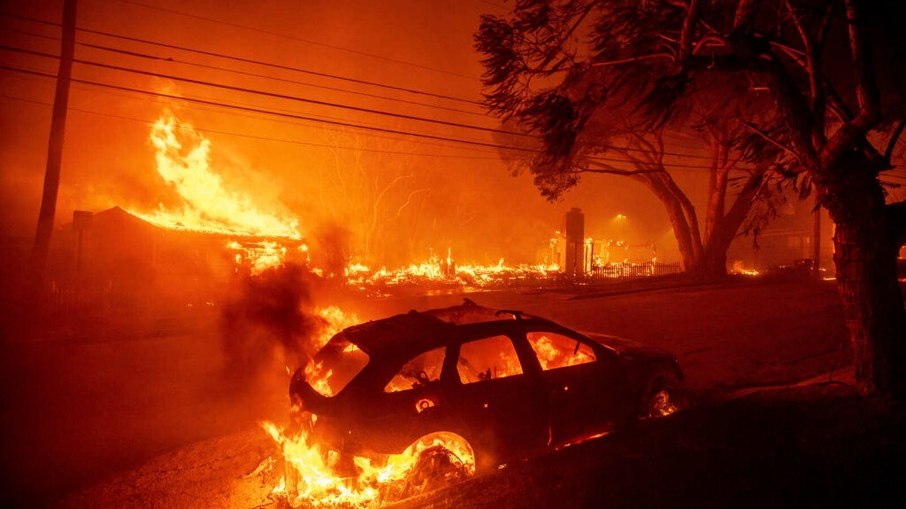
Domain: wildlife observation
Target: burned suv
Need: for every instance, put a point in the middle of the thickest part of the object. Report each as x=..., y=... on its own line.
x=511, y=385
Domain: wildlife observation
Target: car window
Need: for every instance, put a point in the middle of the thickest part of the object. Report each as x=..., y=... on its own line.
x=335, y=366
x=418, y=372
x=558, y=351
x=487, y=359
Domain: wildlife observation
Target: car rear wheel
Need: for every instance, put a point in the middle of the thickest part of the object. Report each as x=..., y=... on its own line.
x=443, y=459
x=662, y=397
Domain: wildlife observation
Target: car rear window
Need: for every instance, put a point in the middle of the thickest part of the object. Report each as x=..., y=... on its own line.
x=335, y=366
x=559, y=351
x=487, y=359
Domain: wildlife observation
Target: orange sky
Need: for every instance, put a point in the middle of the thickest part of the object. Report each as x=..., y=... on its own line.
x=397, y=205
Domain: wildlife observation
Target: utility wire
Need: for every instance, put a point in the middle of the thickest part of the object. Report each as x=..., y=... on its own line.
x=201, y=129
x=513, y=133
x=246, y=73
x=271, y=94
x=275, y=113
x=313, y=119
x=300, y=39
x=498, y=157
x=252, y=61
x=139, y=96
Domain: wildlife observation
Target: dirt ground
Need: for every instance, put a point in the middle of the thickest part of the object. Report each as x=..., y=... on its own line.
x=156, y=421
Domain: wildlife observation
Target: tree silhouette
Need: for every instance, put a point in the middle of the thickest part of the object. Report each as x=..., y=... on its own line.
x=829, y=72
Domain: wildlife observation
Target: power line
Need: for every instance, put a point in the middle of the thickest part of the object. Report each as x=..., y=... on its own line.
x=246, y=73
x=263, y=111
x=300, y=39
x=266, y=112
x=613, y=147
x=271, y=94
x=312, y=119
x=268, y=118
x=340, y=105
x=252, y=61
x=201, y=129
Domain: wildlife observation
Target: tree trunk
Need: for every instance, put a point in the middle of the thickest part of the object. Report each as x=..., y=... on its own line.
x=865, y=257
x=713, y=265
x=685, y=239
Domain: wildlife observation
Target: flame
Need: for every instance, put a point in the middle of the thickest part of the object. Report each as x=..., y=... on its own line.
x=740, y=268
x=438, y=270
x=552, y=357
x=335, y=320
x=208, y=204
x=258, y=256
x=310, y=477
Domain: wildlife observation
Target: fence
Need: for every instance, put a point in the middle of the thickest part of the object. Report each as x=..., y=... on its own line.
x=634, y=270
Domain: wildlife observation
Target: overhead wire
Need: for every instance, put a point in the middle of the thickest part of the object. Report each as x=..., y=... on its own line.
x=512, y=133
x=296, y=38
x=320, y=120
x=267, y=118
x=273, y=95
x=283, y=96
x=301, y=70
x=202, y=129
x=251, y=74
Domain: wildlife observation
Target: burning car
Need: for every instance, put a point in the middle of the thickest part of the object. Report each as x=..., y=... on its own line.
x=504, y=384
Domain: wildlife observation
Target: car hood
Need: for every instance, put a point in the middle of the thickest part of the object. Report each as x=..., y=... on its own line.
x=629, y=349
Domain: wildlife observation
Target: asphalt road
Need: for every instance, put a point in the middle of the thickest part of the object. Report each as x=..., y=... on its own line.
x=77, y=413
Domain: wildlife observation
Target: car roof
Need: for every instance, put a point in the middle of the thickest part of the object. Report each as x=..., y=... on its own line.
x=433, y=328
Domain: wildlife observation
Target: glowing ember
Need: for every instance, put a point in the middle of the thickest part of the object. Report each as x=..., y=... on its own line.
x=310, y=478
x=661, y=406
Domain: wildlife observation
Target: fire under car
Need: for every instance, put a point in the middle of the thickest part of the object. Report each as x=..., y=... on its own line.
x=508, y=384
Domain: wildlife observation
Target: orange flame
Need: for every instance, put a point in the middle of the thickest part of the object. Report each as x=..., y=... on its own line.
x=312, y=480
x=208, y=204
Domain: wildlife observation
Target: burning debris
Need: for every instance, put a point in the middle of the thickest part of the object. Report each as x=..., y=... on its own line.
x=311, y=477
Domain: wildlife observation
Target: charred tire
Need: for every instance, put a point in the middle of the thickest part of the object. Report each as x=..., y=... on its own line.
x=444, y=459
x=662, y=397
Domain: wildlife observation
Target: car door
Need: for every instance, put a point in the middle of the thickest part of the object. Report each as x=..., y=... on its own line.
x=412, y=403
x=501, y=407
x=580, y=383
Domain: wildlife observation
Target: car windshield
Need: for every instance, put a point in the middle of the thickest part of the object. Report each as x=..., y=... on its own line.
x=335, y=366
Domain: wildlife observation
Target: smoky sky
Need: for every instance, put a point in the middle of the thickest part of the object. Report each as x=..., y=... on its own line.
x=399, y=198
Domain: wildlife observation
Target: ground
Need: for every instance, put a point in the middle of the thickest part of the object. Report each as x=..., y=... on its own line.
x=154, y=421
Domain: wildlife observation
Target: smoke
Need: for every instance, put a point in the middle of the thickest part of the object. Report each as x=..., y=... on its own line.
x=332, y=243
x=274, y=312
x=267, y=314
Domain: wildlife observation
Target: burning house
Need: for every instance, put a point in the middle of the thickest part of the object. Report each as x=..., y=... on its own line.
x=115, y=257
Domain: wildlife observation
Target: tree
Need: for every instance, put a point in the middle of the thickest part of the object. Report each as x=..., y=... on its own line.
x=581, y=114
x=834, y=94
